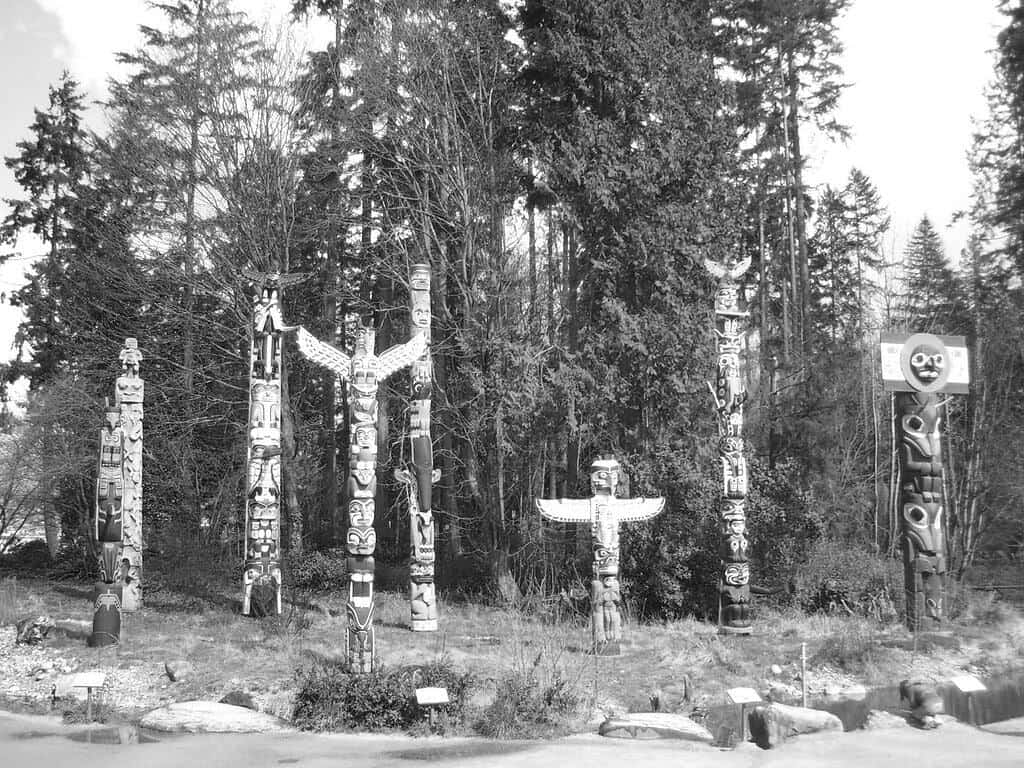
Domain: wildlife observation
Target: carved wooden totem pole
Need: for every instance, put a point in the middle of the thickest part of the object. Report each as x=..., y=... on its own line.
x=364, y=371
x=421, y=477
x=917, y=368
x=604, y=513
x=729, y=394
x=261, y=578
x=130, y=390
x=108, y=529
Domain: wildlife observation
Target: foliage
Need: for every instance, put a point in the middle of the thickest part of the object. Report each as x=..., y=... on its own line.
x=523, y=708
x=318, y=571
x=838, y=576
x=330, y=698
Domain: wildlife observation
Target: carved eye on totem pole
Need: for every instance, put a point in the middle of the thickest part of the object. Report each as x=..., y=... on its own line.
x=924, y=526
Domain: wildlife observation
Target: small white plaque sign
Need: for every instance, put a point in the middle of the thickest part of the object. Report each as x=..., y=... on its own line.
x=968, y=683
x=431, y=697
x=742, y=695
x=89, y=680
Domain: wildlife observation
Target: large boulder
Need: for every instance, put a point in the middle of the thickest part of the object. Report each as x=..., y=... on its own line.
x=771, y=725
x=654, y=725
x=210, y=717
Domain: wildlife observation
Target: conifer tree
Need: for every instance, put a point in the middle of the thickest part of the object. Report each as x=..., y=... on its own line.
x=51, y=167
x=930, y=296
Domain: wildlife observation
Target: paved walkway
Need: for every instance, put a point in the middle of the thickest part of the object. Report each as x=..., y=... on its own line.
x=31, y=742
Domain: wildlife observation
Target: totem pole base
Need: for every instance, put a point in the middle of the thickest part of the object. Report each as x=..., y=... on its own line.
x=610, y=648
x=424, y=626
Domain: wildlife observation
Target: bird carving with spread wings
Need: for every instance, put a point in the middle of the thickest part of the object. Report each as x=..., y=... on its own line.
x=385, y=364
x=731, y=270
x=585, y=510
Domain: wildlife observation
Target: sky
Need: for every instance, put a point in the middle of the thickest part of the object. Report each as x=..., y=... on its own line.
x=917, y=71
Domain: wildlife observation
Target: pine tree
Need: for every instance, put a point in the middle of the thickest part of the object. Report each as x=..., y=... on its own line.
x=51, y=168
x=930, y=297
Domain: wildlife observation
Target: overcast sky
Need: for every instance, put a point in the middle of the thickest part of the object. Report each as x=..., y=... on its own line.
x=917, y=69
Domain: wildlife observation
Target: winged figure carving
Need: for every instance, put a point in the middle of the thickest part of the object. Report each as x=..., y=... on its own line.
x=565, y=510
x=401, y=356
x=323, y=354
x=730, y=270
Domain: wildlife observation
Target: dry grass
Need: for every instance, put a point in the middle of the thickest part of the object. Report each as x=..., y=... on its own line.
x=229, y=651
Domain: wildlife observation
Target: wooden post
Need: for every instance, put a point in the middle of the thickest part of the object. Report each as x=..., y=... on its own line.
x=803, y=674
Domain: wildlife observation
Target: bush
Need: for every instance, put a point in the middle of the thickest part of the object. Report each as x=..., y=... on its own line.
x=523, y=708
x=27, y=557
x=319, y=571
x=330, y=698
x=849, y=578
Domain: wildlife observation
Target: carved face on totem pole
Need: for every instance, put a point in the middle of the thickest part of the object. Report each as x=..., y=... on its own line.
x=361, y=512
x=604, y=477
x=361, y=541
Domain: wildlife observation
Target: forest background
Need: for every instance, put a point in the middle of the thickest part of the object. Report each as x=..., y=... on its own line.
x=565, y=166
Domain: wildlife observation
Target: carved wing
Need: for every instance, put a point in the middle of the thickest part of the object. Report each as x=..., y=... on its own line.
x=323, y=354
x=739, y=269
x=400, y=356
x=717, y=270
x=565, y=510
x=732, y=271
x=631, y=510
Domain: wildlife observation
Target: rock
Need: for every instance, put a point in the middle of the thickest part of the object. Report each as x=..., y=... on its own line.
x=771, y=725
x=879, y=720
x=776, y=670
x=177, y=670
x=924, y=702
x=32, y=631
x=210, y=717
x=654, y=725
x=239, y=699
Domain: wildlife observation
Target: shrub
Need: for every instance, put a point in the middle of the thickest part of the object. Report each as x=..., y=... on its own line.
x=523, y=708
x=330, y=698
x=27, y=557
x=319, y=571
x=849, y=578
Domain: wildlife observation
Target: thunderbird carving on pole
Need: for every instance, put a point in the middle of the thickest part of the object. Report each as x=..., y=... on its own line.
x=604, y=513
x=364, y=371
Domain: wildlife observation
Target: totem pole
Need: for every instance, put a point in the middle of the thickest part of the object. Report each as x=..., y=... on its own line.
x=604, y=513
x=130, y=389
x=729, y=395
x=108, y=529
x=917, y=368
x=364, y=371
x=261, y=578
x=421, y=477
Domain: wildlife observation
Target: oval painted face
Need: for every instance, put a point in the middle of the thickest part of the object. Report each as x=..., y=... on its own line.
x=924, y=362
x=737, y=574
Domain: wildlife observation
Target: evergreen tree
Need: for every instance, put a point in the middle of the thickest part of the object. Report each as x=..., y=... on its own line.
x=51, y=168
x=930, y=297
